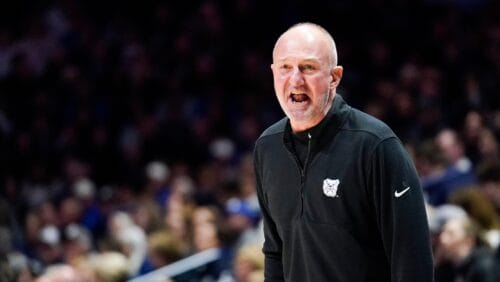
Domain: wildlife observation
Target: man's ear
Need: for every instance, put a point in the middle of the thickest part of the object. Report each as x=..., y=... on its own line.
x=336, y=73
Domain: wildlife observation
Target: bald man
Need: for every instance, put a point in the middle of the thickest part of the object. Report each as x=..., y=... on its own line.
x=339, y=194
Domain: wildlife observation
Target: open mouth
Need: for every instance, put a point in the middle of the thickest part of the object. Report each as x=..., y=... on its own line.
x=299, y=98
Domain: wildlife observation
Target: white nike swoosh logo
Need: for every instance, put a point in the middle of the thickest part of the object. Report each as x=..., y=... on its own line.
x=399, y=194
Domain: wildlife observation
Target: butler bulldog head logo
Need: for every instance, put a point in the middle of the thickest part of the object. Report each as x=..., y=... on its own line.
x=330, y=187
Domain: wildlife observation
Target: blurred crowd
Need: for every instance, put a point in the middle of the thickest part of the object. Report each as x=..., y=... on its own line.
x=126, y=129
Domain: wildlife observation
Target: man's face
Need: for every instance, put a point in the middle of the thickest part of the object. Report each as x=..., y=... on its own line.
x=304, y=77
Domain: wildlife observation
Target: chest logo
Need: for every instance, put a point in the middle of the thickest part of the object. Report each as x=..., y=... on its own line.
x=330, y=187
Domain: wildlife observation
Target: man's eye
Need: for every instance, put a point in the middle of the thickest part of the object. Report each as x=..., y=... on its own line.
x=285, y=67
x=308, y=68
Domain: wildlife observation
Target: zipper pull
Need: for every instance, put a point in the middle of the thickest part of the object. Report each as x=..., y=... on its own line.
x=309, y=135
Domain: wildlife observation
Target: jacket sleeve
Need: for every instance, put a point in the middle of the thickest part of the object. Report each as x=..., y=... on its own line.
x=400, y=212
x=272, y=249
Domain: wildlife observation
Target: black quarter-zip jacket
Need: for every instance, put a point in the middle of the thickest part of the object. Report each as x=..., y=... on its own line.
x=352, y=212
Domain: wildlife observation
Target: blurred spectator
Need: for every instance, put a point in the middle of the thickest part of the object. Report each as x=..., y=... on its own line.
x=70, y=211
x=91, y=216
x=77, y=243
x=157, y=174
x=242, y=209
x=32, y=227
x=248, y=265
x=439, y=179
x=47, y=213
x=451, y=145
x=209, y=233
x=247, y=182
x=242, y=220
x=472, y=129
x=205, y=223
x=488, y=173
x=209, y=183
x=460, y=255
x=163, y=249
x=6, y=271
x=131, y=240
x=60, y=273
x=488, y=145
x=110, y=267
x=256, y=276
x=481, y=211
x=17, y=267
x=147, y=215
x=49, y=249
x=437, y=217
x=178, y=215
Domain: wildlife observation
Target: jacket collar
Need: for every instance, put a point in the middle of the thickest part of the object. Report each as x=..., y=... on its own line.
x=325, y=131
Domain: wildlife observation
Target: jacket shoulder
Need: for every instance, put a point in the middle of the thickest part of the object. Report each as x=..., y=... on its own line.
x=360, y=121
x=276, y=128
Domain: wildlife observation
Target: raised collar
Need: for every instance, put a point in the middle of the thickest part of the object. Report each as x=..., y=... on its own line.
x=327, y=128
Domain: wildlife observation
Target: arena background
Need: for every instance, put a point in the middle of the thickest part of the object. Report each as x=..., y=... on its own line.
x=121, y=117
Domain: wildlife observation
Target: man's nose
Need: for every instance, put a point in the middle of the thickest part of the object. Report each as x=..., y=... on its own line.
x=296, y=78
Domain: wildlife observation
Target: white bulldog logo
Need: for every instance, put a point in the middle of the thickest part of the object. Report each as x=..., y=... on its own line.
x=330, y=187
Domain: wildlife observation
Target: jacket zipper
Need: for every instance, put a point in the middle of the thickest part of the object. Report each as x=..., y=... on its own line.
x=303, y=171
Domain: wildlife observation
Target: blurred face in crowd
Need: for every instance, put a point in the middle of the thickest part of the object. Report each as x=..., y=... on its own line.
x=448, y=141
x=205, y=236
x=248, y=259
x=242, y=269
x=455, y=242
x=305, y=75
x=492, y=191
x=63, y=273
